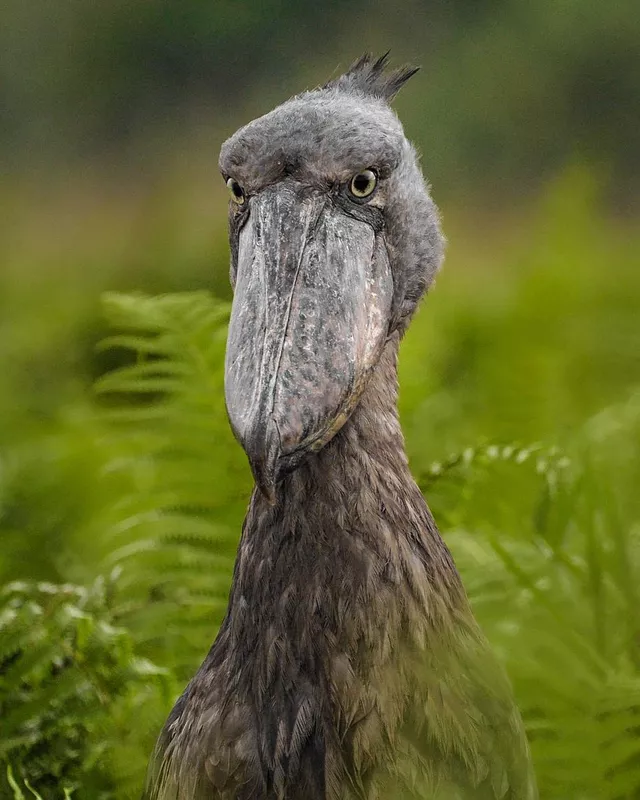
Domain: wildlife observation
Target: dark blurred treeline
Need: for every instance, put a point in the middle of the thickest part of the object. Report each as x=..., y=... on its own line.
x=511, y=91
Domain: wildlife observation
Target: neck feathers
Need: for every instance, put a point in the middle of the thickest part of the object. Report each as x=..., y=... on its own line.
x=350, y=526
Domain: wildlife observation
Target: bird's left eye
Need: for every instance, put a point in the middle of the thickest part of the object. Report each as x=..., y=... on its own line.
x=363, y=184
x=236, y=191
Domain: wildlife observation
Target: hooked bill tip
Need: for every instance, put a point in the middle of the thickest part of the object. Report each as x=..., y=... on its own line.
x=264, y=457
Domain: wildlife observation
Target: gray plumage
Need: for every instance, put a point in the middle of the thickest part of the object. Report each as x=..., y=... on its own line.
x=349, y=663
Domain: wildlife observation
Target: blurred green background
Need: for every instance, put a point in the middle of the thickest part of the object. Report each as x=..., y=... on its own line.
x=121, y=491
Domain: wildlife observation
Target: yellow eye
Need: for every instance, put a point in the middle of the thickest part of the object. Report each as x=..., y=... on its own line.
x=363, y=184
x=236, y=192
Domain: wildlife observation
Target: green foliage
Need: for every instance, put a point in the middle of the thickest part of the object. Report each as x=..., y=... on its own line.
x=561, y=608
x=174, y=533
x=64, y=667
x=18, y=794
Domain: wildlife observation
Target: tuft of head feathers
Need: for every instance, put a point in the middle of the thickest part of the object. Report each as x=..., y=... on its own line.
x=368, y=76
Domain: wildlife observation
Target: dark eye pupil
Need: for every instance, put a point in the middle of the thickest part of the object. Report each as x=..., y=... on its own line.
x=361, y=182
x=235, y=188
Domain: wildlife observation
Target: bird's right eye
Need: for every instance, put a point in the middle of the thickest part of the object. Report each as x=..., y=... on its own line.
x=236, y=192
x=363, y=184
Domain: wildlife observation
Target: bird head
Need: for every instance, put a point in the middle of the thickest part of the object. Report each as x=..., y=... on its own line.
x=334, y=239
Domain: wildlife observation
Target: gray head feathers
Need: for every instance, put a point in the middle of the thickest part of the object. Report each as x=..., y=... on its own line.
x=370, y=78
x=322, y=138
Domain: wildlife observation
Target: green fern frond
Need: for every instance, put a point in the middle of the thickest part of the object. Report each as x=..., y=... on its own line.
x=548, y=460
x=68, y=665
x=174, y=533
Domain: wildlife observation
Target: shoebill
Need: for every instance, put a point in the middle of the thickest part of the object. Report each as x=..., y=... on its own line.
x=349, y=664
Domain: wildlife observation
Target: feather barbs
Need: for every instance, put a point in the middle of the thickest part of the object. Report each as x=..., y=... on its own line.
x=369, y=76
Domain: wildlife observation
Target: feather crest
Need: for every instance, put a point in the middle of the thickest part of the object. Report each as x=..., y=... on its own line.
x=369, y=76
